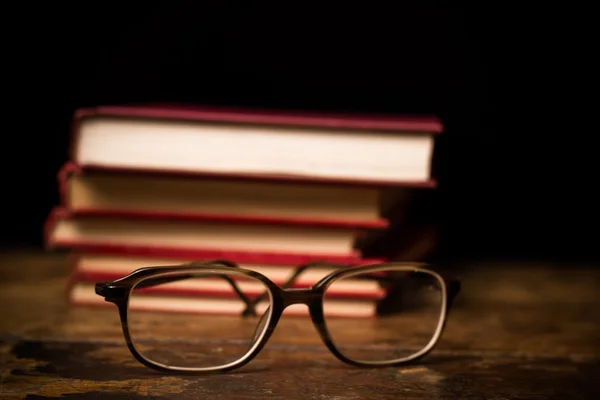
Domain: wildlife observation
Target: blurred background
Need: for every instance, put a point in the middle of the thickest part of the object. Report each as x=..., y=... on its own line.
x=516, y=164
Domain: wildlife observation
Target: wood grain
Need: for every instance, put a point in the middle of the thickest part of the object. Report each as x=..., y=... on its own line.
x=518, y=331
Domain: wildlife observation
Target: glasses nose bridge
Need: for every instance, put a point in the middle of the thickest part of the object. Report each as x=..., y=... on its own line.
x=299, y=296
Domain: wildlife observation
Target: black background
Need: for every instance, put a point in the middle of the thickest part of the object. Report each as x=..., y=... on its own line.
x=517, y=161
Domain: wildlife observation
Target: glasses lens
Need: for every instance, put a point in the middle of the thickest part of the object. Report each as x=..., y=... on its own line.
x=404, y=310
x=198, y=320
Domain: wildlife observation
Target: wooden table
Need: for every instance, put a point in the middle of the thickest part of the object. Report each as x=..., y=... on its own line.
x=517, y=332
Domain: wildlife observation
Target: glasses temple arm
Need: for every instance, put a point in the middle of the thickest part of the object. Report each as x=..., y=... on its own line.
x=250, y=306
x=301, y=268
x=454, y=287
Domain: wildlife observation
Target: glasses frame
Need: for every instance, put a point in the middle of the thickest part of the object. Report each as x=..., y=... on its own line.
x=118, y=292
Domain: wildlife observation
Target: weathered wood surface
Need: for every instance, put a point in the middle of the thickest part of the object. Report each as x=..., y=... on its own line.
x=517, y=332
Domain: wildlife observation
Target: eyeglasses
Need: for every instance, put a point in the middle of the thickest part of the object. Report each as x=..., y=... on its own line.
x=168, y=327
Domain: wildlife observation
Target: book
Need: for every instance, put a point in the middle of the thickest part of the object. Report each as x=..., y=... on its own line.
x=153, y=185
x=343, y=148
x=152, y=195
x=109, y=266
x=68, y=229
x=81, y=293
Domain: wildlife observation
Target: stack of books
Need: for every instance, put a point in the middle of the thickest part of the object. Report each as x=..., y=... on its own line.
x=155, y=186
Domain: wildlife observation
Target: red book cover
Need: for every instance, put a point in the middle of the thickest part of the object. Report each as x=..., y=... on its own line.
x=423, y=124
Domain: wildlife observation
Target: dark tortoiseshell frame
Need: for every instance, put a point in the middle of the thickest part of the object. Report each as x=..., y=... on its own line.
x=118, y=292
